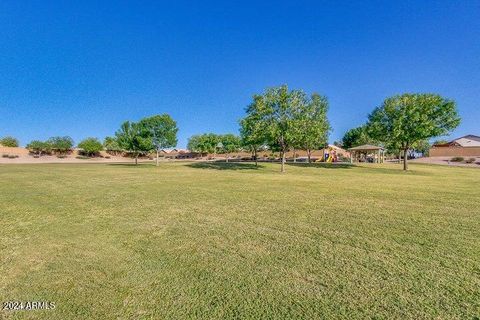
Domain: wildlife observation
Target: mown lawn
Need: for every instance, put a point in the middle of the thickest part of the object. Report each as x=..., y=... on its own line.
x=232, y=241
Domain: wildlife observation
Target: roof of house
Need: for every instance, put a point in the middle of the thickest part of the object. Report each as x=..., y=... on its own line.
x=366, y=147
x=467, y=141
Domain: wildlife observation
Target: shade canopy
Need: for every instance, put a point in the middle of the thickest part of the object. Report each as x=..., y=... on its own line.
x=366, y=147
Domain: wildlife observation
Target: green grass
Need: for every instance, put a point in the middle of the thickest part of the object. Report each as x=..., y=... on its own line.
x=232, y=241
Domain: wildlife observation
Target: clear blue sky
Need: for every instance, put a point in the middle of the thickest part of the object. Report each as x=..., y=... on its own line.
x=80, y=68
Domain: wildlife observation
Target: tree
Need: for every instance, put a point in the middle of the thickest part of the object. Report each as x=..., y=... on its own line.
x=131, y=138
x=407, y=119
x=110, y=144
x=274, y=112
x=310, y=124
x=9, y=142
x=252, y=135
x=37, y=147
x=162, y=130
x=60, y=144
x=356, y=137
x=204, y=143
x=440, y=141
x=91, y=146
x=422, y=146
x=230, y=143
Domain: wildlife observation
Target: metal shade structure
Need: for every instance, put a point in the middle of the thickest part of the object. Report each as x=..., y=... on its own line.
x=366, y=149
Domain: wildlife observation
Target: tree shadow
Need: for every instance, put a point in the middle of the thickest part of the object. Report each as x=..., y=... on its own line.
x=321, y=165
x=224, y=166
x=130, y=165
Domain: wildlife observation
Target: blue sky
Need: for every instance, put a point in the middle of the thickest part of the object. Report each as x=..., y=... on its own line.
x=80, y=68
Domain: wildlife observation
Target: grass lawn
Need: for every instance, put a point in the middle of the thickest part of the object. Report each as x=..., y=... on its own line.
x=192, y=240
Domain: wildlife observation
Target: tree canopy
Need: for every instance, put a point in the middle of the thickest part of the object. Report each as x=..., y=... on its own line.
x=229, y=143
x=91, y=146
x=310, y=124
x=133, y=139
x=9, y=142
x=111, y=144
x=203, y=143
x=356, y=137
x=162, y=131
x=60, y=144
x=38, y=147
x=407, y=119
x=276, y=116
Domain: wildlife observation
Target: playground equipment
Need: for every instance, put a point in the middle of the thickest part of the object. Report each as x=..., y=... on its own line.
x=331, y=156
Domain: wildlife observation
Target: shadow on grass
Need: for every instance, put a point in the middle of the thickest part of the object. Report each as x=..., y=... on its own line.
x=321, y=165
x=130, y=165
x=224, y=165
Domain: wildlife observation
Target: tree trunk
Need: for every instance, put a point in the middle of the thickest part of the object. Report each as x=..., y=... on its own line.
x=294, y=156
x=323, y=155
x=255, y=157
x=399, y=156
x=405, y=159
x=226, y=157
x=309, y=155
x=157, y=157
x=136, y=159
x=283, y=162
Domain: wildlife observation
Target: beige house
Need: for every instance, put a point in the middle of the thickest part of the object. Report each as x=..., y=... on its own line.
x=466, y=146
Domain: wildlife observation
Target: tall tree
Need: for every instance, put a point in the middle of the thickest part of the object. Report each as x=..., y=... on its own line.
x=252, y=132
x=131, y=138
x=230, y=143
x=407, y=119
x=310, y=124
x=162, y=130
x=274, y=110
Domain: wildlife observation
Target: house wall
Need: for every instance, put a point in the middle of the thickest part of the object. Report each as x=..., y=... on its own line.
x=454, y=152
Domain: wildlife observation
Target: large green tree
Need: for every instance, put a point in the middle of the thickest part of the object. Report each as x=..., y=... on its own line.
x=407, y=119
x=229, y=143
x=162, y=130
x=131, y=137
x=274, y=110
x=310, y=124
x=252, y=131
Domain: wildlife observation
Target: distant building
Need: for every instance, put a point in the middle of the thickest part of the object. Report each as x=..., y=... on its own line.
x=466, y=146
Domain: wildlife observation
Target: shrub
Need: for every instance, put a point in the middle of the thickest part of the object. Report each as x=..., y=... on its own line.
x=61, y=144
x=470, y=160
x=61, y=156
x=82, y=157
x=9, y=142
x=107, y=157
x=4, y=155
x=37, y=147
x=12, y=156
x=457, y=159
x=90, y=146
